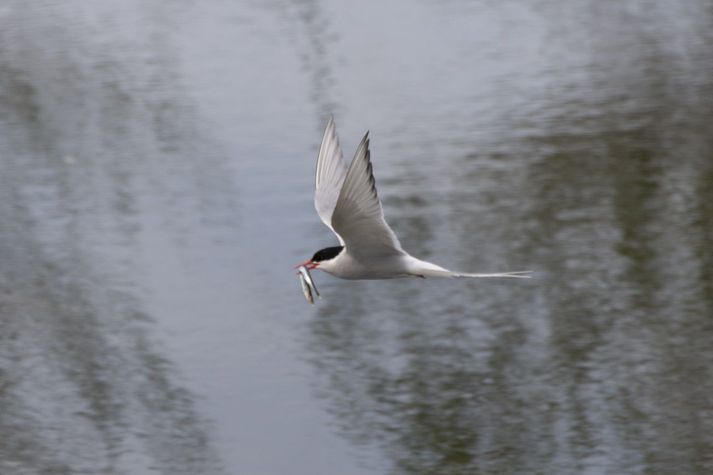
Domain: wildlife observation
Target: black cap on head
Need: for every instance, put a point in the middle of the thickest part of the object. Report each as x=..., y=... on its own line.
x=327, y=253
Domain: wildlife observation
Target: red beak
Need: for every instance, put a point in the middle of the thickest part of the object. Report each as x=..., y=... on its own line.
x=308, y=264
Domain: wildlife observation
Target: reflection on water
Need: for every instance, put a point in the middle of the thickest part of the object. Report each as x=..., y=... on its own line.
x=84, y=388
x=601, y=181
x=155, y=188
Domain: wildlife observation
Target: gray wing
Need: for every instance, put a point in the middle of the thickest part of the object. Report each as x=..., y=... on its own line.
x=330, y=175
x=358, y=218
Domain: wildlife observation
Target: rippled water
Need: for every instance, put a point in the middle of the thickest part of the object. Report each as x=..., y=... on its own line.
x=156, y=163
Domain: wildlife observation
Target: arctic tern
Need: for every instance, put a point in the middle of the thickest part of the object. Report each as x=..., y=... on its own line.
x=347, y=202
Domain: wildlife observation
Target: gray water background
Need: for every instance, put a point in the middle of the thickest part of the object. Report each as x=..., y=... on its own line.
x=156, y=167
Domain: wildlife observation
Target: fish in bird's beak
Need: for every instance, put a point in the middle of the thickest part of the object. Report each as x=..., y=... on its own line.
x=306, y=289
x=307, y=284
x=304, y=273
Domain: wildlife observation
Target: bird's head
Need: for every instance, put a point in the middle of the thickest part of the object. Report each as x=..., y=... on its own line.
x=321, y=256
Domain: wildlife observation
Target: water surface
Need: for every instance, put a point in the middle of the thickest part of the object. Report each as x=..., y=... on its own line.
x=155, y=189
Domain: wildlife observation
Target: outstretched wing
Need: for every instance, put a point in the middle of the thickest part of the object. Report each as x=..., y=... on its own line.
x=330, y=175
x=358, y=217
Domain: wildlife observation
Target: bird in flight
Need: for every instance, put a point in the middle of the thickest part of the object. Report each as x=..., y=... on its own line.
x=347, y=202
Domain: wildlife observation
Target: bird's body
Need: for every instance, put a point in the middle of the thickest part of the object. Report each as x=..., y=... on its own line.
x=348, y=266
x=347, y=202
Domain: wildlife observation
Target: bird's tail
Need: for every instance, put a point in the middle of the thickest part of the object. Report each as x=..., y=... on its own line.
x=426, y=269
x=519, y=274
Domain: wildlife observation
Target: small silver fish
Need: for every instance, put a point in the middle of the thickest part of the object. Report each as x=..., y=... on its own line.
x=306, y=289
x=308, y=277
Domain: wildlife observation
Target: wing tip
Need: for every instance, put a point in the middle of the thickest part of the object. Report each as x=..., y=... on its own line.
x=330, y=129
x=365, y=152
x=330, y=139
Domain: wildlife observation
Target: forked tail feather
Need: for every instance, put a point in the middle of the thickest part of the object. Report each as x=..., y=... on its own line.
x=519, y=274
x=426, y=269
